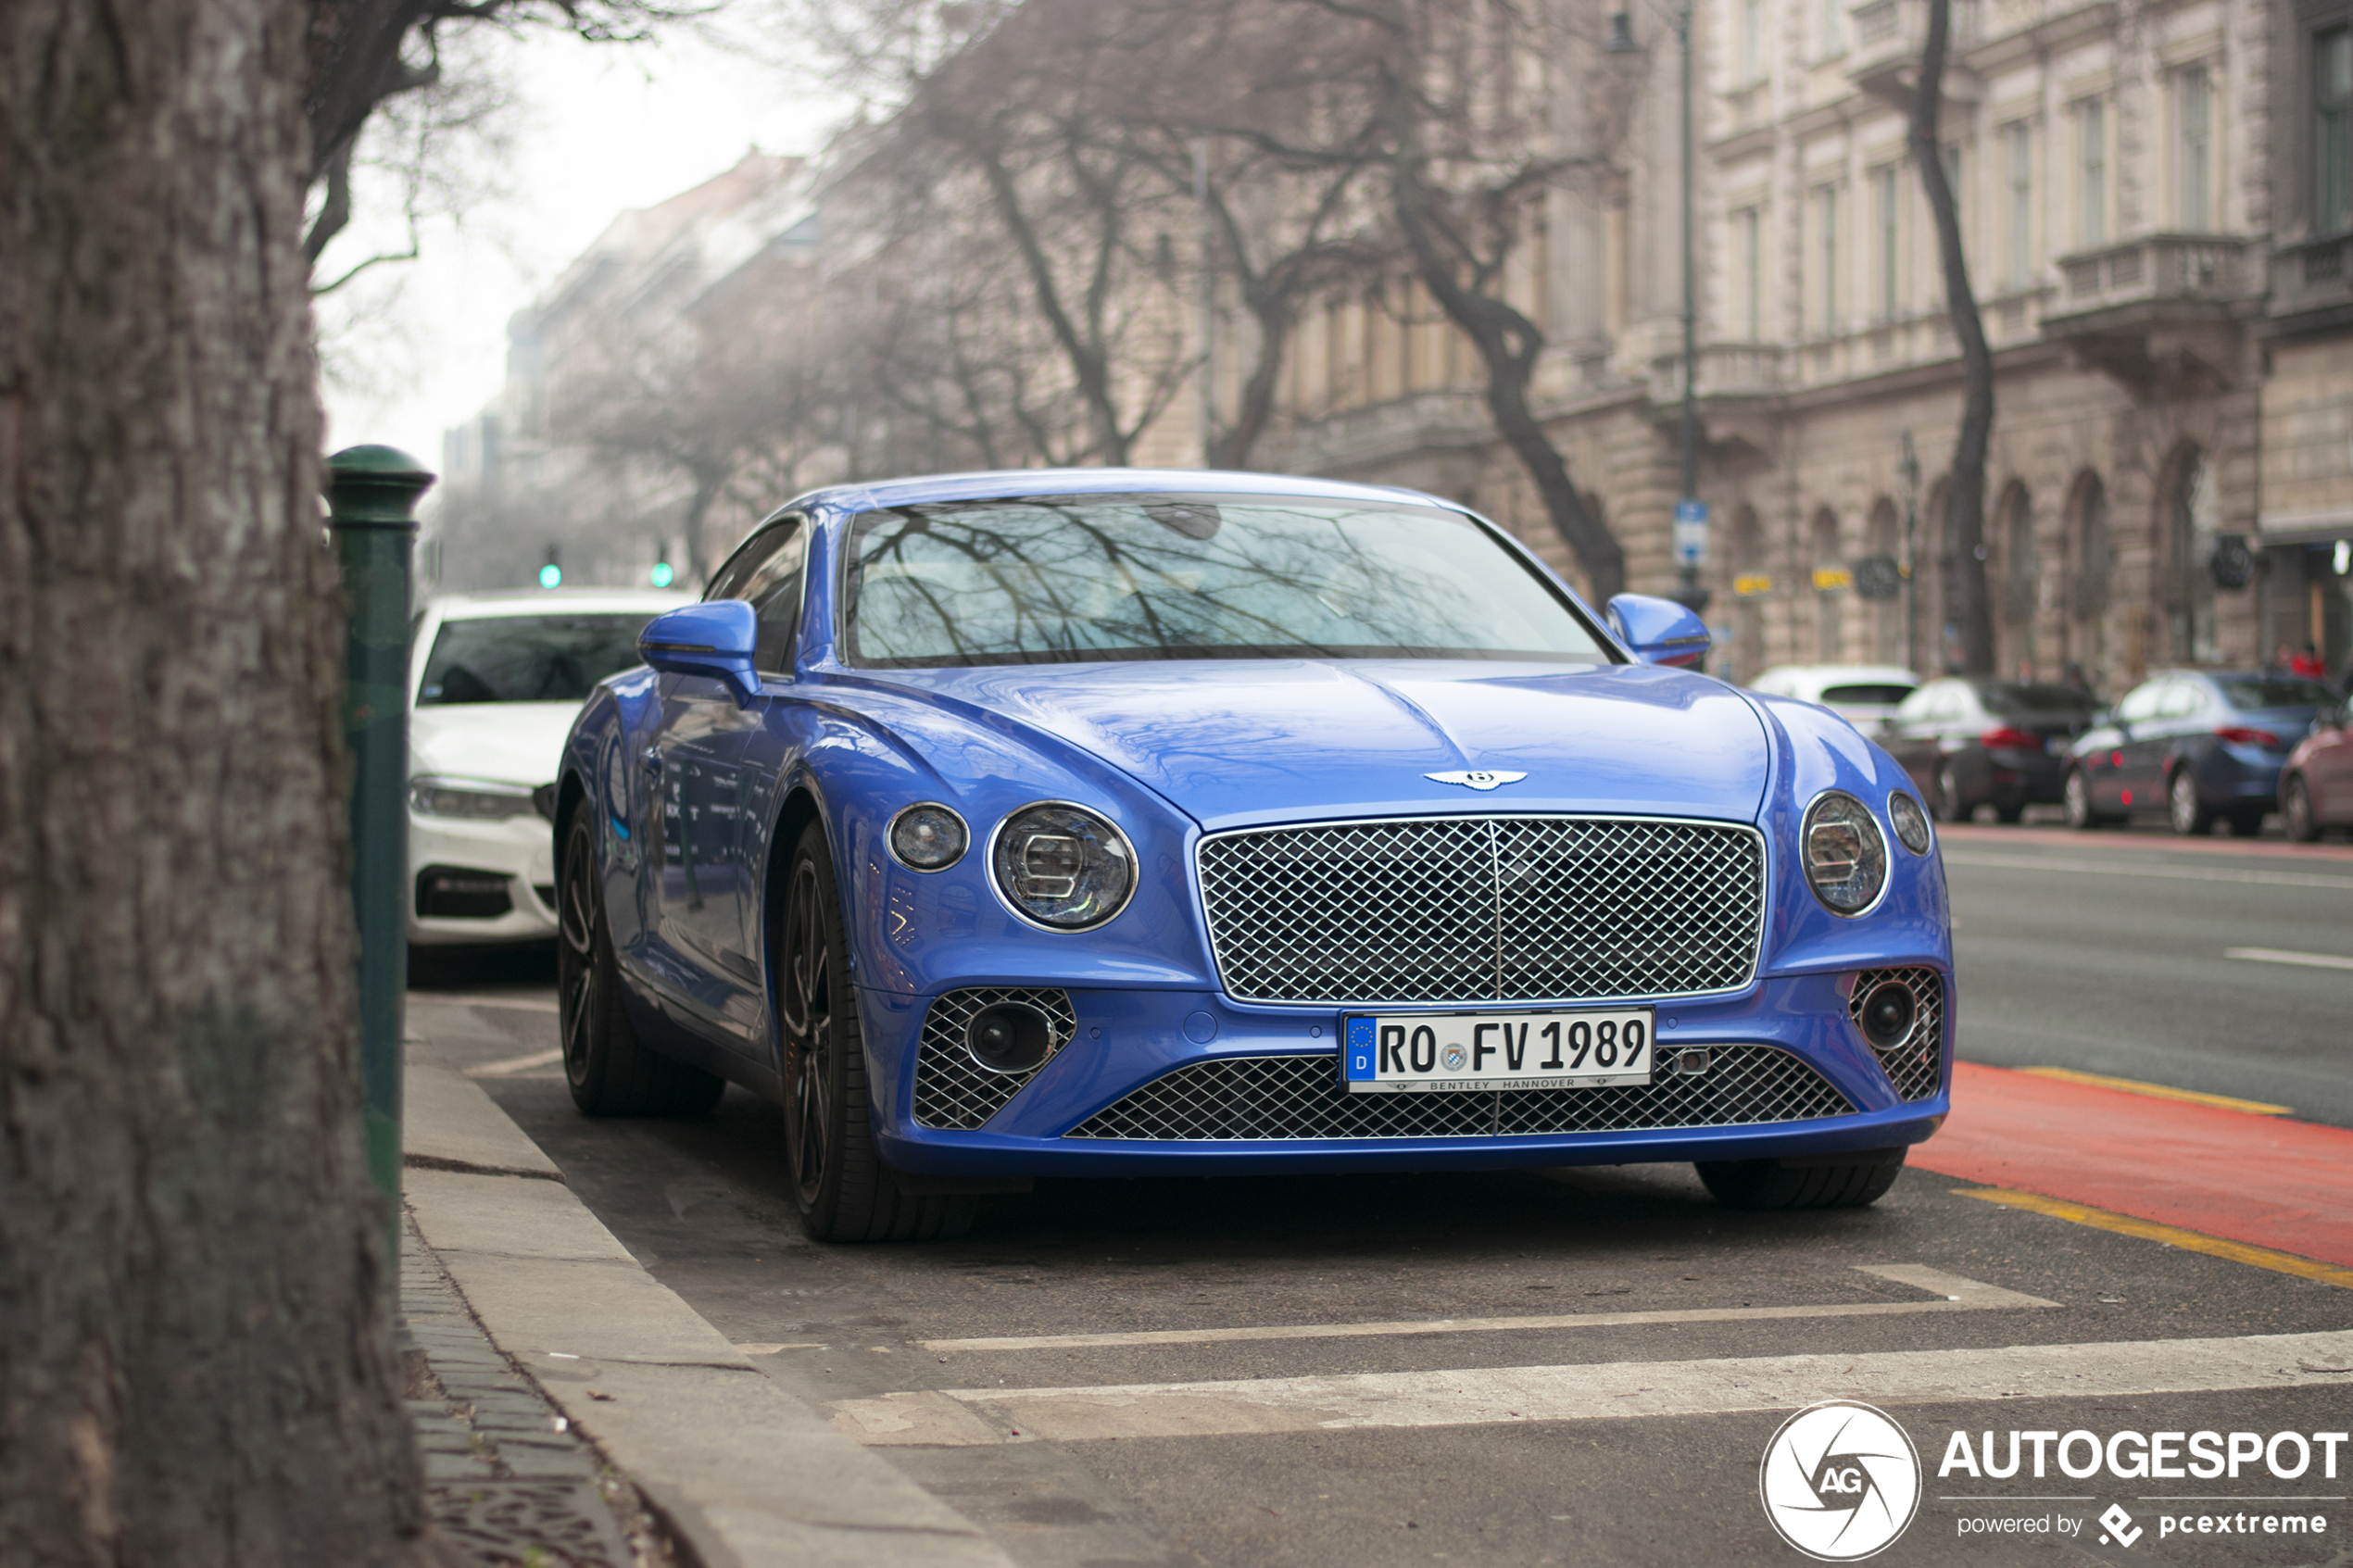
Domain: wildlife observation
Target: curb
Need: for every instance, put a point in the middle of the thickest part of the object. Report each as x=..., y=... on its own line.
x=741, y=1472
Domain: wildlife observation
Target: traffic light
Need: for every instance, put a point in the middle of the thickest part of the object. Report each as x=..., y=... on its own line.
x=551, y=574
x=662, y=576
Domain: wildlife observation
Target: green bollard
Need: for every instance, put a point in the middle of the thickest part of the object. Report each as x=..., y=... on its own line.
x=371, y=502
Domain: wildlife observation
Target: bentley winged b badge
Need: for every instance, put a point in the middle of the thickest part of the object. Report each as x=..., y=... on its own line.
x=1476, y=778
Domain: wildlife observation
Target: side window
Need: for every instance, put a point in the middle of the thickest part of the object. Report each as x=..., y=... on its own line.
x=2141, y=702
x=767, y=571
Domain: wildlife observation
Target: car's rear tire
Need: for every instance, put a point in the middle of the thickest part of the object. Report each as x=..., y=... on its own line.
x=2191, y=816
x=608, y=1070
x=1772, y=1184
x=2080, y=814
x=841, y=1188
x=2296, y=810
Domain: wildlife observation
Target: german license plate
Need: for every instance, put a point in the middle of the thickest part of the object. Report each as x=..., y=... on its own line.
x=1389, y=1053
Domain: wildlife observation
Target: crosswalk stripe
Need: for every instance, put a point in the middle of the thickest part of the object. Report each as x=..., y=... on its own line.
x=1954, y=1294
x=1613, y=1390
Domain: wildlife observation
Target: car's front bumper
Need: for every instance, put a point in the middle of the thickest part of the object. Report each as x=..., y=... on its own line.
x=518, y=851
x=1128, y=1042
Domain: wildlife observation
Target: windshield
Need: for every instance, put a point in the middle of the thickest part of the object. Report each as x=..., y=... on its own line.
x=527, y=658
x=1062, y=579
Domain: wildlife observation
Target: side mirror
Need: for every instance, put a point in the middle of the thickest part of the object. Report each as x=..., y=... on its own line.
x=1659, y=630
x=714, y=639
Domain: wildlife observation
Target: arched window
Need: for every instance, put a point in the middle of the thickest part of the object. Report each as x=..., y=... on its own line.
x=2021, y=582
x=1886, y=543
x=2192, y=510
x=2090, y=560
x=1830, y=589
x=1937, y=626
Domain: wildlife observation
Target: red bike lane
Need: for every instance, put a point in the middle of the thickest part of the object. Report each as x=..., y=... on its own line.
x=2264, y=1181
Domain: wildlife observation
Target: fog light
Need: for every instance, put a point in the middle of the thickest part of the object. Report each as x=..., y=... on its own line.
x=1887, y=1015
x=1010, y=1037
x=928, y=837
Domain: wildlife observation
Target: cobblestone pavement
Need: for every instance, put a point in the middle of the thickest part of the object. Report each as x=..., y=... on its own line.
x=503, y=1476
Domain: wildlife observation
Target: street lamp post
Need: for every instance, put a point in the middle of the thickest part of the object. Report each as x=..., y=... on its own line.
x=1689, y=511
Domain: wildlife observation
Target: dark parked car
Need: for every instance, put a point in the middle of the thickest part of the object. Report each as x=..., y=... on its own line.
x=2194, y=745
x=1970, y=743
x=2316, y=787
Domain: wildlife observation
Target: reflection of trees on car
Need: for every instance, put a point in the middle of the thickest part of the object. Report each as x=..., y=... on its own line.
x=1034, y=581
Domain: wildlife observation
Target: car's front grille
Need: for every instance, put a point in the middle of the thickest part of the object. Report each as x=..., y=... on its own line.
x=1484, y=910
x=1916, y=1063
x=1302, y=1096
x=952, y=1091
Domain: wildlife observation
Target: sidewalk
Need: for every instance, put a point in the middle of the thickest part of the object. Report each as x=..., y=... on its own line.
x=583, y=1364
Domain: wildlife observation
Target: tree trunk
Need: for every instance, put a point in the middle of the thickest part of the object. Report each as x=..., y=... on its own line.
x=194, y=1297
x=1509, y=345
x=1965, y=506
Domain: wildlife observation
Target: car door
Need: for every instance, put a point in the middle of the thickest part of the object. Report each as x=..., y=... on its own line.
x=699, y=884
x=2328, y=768
x=2140, y=757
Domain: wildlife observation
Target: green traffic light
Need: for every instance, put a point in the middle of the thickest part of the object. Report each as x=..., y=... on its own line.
x=550, y=574
x=662, y=574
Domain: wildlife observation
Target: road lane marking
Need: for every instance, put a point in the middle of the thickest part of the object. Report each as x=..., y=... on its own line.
x=2282, y=955
x=2158, y=1091
x=1954, y=1295
x=528, y=1004
x=2184, y=873
x=515, y=1064
x=1614, y=1390
x=2172, y=1235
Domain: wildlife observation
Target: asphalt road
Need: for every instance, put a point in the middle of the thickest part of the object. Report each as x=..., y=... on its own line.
x=1418, y=1433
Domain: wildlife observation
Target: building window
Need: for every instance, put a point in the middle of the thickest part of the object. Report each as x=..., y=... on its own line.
x=2193, y=150
x=1826, y=207
x=1833, y=27
x=1752, y=226
x=2091, y=172
x=2020, y=138
x=2332, y=131
x=1889, y=294
x=1752, y=42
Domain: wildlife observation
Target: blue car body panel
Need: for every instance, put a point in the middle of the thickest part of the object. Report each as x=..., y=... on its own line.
x=1173, y=751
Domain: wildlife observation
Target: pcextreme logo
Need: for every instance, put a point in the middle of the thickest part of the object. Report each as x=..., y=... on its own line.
x=1840, y=1480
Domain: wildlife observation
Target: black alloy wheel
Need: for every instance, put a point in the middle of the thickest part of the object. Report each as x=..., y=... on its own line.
x=2296, y=810
x=1950, y=806
x=608, y=1070
x=840, y=1186
x=2080, y=814
x=1817, y=1183
x=2191, y=816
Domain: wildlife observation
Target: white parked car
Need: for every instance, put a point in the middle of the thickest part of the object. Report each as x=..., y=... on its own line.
x=495, y=681
x=1866, y=696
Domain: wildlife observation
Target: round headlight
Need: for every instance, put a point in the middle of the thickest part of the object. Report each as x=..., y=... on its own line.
x=1064, y=867
x=1911, y=822
x=1844, y=856
x=928, y=837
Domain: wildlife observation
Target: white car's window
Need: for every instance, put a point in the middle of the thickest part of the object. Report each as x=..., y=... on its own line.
x=527, y=658
x=1872, y=693
x=2181, y=698
x=1059, y=579
x=2141, y=703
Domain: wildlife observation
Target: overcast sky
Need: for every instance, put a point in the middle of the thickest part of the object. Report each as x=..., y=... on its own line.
x=413, y=347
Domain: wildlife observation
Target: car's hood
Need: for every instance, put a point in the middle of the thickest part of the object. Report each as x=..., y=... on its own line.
x=520, y=743
x=1234, y=742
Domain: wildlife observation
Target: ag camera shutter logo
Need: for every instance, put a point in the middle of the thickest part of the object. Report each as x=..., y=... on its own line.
x=1840, y=1480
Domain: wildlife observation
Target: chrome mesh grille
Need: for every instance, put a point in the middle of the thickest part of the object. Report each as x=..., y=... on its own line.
x=1300, y=1096
x=952, y=1091
x=1916, y=1064
x=1484, y=908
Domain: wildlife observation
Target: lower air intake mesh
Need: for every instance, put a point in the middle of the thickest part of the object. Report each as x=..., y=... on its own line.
x=957, y=1094
x=1302, y=1096
x=1916, y=1063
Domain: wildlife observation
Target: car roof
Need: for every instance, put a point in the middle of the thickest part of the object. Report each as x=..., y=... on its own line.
x=998, y=483
x=556, y=601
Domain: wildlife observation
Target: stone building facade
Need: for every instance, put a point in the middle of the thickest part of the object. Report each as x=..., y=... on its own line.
x=2152, y=201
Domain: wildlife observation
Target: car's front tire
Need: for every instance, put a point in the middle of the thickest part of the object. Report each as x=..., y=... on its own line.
x=1950, y=805
x=609, y=1070
x=2081, y=813
x=842, y=1186
x=1769, y=1185
x=2191, y=816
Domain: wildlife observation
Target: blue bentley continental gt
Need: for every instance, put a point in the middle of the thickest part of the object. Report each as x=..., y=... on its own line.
x=1119, y=822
